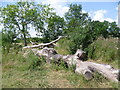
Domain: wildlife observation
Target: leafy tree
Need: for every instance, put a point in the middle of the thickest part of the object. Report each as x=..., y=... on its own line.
x=99, y=29
x=78, y=28
x=55, y=25
x=75, y=18
x=114, y=30
x=20, y=16
x=104, y=29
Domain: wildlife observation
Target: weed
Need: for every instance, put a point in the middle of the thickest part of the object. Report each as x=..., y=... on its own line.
x=61, y=65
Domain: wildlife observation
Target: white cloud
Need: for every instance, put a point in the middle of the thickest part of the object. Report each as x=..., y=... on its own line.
x=100, y=16
x=57, y=5
x=109, y=19
x=83, y=11
x=116, y=8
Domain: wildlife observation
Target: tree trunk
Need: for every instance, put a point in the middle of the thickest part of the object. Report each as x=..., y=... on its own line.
x=87, y=69
x=24, y=34
x=25, y=42
x=106, y=70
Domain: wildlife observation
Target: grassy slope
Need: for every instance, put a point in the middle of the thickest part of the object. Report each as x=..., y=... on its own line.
x=33, y=72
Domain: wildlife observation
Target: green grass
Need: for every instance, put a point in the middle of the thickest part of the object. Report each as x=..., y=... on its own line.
x=33, y=72
x=23, y=72
x=105, y=50
x=62, y=46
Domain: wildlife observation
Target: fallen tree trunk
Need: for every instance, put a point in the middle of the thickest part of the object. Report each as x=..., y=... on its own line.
x=86, y=68
x=89, y=67
x=44, y=45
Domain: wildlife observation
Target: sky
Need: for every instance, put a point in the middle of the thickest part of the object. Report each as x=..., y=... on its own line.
x=97, y=9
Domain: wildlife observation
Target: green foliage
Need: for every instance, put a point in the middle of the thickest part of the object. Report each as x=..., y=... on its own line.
x=63, y=46
x=36, y=62
x=105, y=49
x=21, y=15
x=36, y=39
x=78, y=28
x=8, y=40
x=82, y=31
x=60, y=66
x=114, y=30
x=104, y=29
x=75, y=18
x=54, y=29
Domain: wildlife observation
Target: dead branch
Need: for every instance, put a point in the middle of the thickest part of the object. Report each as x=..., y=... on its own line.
x=33, y=43
x=44, y=45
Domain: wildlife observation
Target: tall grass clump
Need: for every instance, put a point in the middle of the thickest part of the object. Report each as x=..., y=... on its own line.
x=63, y=46
x=36, y=62
x=105, y=49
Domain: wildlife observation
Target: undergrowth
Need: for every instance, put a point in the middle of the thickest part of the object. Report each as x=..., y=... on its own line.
x=33, y=72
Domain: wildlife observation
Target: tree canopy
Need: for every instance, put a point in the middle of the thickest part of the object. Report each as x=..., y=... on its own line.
x=78, y=26
x=20, y=16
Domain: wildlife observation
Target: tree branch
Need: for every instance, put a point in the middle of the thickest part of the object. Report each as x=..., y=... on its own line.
x=43, y=45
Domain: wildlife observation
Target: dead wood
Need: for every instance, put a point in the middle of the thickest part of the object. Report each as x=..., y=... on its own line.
x=33, y=43
x=44, y=45
x=106, y=70
x=87, y=69
x=82, y=67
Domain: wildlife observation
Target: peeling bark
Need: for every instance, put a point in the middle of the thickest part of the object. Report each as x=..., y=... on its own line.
x=82, y=67
x=85, y=68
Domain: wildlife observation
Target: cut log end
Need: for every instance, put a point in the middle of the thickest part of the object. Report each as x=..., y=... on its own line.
x=88, y=75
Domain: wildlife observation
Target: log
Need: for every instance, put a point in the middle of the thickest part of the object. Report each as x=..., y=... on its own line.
x=87, y=69
x=106, y=70
x=51, y=53
x=72, y=59
x=44, y=52
x=44, y=45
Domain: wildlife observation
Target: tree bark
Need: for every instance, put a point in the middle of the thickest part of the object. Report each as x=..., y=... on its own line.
x=25, y=42
x=33, y=43
x=106, y=70
x=87, y=69
x=44, y=45
x=24, y=34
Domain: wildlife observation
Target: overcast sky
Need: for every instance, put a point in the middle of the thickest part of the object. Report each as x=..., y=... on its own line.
x=97, y=9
